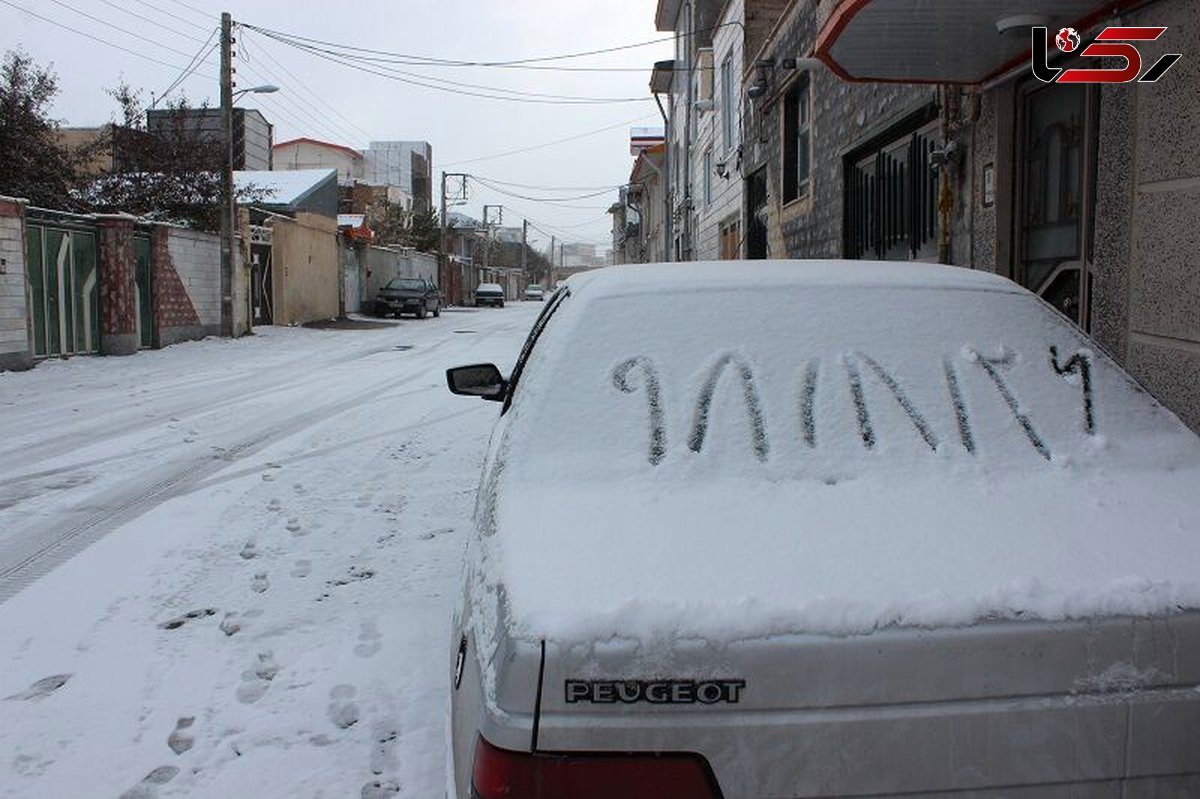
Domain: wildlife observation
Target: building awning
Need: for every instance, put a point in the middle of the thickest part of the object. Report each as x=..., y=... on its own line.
x=944, y=41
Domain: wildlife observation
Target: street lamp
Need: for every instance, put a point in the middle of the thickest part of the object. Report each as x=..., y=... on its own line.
x=266, y=88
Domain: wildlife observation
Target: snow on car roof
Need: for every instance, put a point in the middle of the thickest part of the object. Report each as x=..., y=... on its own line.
x=639, y=278
x=729, y=451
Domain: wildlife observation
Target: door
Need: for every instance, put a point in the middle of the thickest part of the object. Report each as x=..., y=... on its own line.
x=1056, y=176
x=260, y=283
x=145, y=305
x=756, y=215
x=63, y=290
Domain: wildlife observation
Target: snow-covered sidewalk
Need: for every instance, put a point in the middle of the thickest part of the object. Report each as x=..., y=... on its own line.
x=227, y=568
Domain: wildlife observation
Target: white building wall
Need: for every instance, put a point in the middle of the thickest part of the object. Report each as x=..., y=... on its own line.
x=306, y=155
x=196, y=257
x=726, y=203
x=14, y=309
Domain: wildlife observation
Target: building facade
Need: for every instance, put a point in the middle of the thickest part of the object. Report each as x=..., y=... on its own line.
x=252, y=134
x=405, y=164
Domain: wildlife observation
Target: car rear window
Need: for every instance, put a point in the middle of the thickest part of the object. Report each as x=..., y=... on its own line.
x=827, y=382
x=408, y=283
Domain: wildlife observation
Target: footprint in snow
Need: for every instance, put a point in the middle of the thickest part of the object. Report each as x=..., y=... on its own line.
x=379, y=790
x=383, y=754
x=42, y=688
x=274, y=504
x=179, y=621
x=299, y=488
x=293, y=526
x=146, y=788
x=342, y=710
x=260, y=583
x=249, y=551
x=257, y=679
x=369, y=640
x=180, y=740
x=228, y=624
x=302, y=568
x=268, y=477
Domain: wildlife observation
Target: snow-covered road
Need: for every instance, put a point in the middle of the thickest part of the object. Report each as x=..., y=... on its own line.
x=227, y=567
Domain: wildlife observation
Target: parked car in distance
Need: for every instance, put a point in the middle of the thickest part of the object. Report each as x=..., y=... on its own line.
x=534, y=292
x=489, y=294
x=824, y=529
x=414, y=295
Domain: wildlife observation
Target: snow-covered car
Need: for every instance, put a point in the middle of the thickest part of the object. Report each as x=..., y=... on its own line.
x=825, y=529
x=489, y=294
x=414, y=295
x=534, y=292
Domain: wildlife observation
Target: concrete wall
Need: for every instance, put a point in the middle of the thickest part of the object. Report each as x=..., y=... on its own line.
x=16, y=350
x=304, y=269
x=186, y=284
x=384, y=263
x=1146, y=304
x=353, y=276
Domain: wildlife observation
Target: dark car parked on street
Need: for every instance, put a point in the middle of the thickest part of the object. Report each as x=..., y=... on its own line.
x=489, y=294
x=414, y=295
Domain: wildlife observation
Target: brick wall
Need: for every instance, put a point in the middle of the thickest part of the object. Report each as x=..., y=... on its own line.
x=175, y=315
x=15, y=349
x=118, y=285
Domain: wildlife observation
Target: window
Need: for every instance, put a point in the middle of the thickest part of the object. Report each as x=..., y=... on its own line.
x=891, y=198
x=797, y=141
x=727, y=103
x=708, y=173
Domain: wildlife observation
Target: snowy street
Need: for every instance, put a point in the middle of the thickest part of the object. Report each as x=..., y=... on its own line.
x=227, y=568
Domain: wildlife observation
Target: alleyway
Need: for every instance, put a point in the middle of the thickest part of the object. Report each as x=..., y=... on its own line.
x=274, y=526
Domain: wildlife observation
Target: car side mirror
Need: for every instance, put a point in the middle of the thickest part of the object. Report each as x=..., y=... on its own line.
x=479, y=380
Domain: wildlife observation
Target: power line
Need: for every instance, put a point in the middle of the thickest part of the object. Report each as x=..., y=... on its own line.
x=175, y=16
x=435, y=61
x=126, y=31
x=124, y=10
x=417, y=79
x=532, y=147
x=302, y=106
x=196, y=61
x=192, y=8
x=97, y=39
x=265, y=51
x=484, y=182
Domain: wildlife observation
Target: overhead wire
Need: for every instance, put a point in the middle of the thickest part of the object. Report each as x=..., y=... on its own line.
x=97, y=39
x=264, y=51
x=319, y=119
x=126, y=31
x=543, y=145
x=417, y=60
x=135, y=14
x=453, y=87
x=196, y=61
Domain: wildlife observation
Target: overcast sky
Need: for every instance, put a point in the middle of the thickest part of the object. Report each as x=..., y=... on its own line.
x=329, y=101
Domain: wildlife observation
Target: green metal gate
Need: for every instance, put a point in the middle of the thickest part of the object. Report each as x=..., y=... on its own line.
x=63, y=285
x=145, y=309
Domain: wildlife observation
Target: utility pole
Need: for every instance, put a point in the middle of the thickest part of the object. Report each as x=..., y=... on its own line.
x=228, y=208
x=443, y=256
x=524, y=245
x=550, y=277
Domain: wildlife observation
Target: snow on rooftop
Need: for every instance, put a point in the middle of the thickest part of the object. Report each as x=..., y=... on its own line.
x=351, y=220
x=283, y=187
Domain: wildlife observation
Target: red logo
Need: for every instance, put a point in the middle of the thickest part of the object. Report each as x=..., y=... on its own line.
x=1112, y=42
x=1067, y=40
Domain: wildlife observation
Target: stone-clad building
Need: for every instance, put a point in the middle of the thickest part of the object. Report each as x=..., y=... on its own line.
x=909, y=130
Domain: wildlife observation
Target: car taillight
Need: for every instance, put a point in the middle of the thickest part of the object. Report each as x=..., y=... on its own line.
x=501, y=774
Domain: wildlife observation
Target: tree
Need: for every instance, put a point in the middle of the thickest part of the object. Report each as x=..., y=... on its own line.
x=170, y=174
x=395, y=227
x=33, y=164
